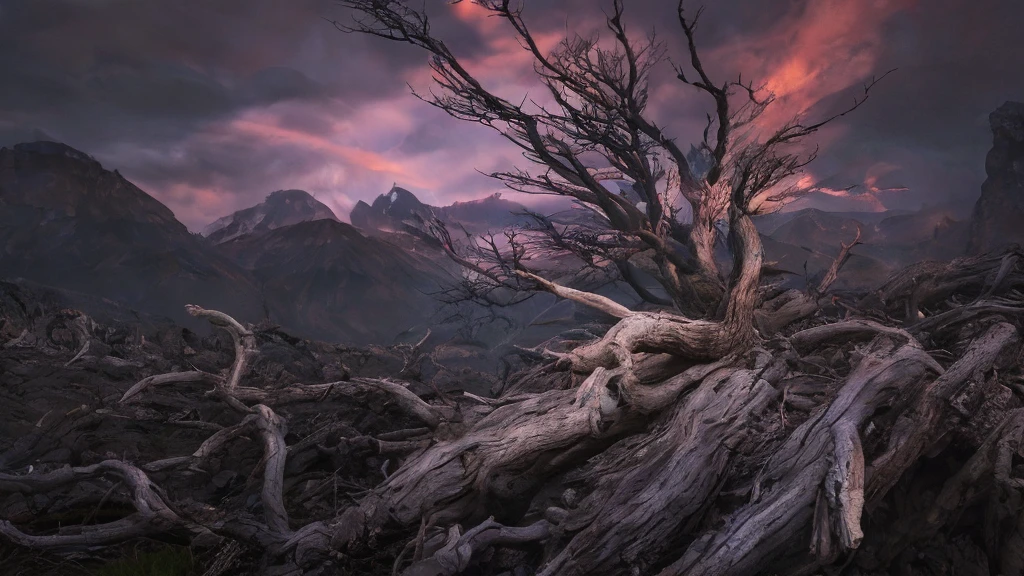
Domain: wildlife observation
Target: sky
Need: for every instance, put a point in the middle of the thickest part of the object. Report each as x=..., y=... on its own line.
x=209, y=105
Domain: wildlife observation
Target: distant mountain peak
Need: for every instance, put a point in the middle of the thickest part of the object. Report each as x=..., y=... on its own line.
x=398, y=207
x=389, y=210
x=280, y=208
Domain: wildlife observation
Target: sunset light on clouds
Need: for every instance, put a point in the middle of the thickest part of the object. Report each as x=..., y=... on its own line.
x=283, y=100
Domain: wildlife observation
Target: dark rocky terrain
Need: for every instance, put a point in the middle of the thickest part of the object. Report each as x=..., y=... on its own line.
x=62, y=405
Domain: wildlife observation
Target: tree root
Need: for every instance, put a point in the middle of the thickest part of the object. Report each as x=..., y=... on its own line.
x=455, y=556
x=824, y=454
x=695, y=451
x=152, y=515
x=658, y=489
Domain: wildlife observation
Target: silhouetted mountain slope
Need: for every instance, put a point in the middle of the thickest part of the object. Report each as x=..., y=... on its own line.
x=937, y=233
x=492, y=213
x=281, y=208
x=814, y=228
x=327, y=280
x=67, y=222
x=769, y=223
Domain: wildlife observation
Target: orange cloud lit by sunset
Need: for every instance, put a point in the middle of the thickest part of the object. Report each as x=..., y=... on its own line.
x=362, y=158
x=827, y=47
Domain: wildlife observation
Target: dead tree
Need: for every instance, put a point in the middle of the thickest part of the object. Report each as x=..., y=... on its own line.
x=598, y=96
x=673, y=444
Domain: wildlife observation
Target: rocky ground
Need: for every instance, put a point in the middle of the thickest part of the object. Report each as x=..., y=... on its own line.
x=62, y=379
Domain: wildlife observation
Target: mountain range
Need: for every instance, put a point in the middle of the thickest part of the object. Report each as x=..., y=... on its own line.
x=68, y=223
x=400, y=209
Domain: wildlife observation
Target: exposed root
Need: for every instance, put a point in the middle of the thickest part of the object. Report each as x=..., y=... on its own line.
x=245, y=343
x=821, y=453
x=657, y=491
x=170, y=378
x=850, y=330
x=460, y=478
x=659, y=333
x=392, y=392
x=152, y=516
x=686, y=448
x=457, y=553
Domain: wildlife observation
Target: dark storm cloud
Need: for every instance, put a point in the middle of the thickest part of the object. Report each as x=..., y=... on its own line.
x=139, y=84
x=211, y=105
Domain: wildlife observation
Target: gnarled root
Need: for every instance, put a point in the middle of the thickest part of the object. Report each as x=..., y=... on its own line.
x=152, y=515
x=501, y=459
x=823, y=454
x=698, y=340
x=457, y=552
x=650, y=495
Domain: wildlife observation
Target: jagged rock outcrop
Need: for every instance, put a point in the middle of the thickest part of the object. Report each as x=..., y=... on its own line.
x=281, y=208
x=389, y=211
x=400, y=209
x=999, y=213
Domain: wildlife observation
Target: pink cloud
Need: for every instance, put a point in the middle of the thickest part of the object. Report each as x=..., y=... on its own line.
x=365, y=159
x=812, y=53
x=824, y=48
